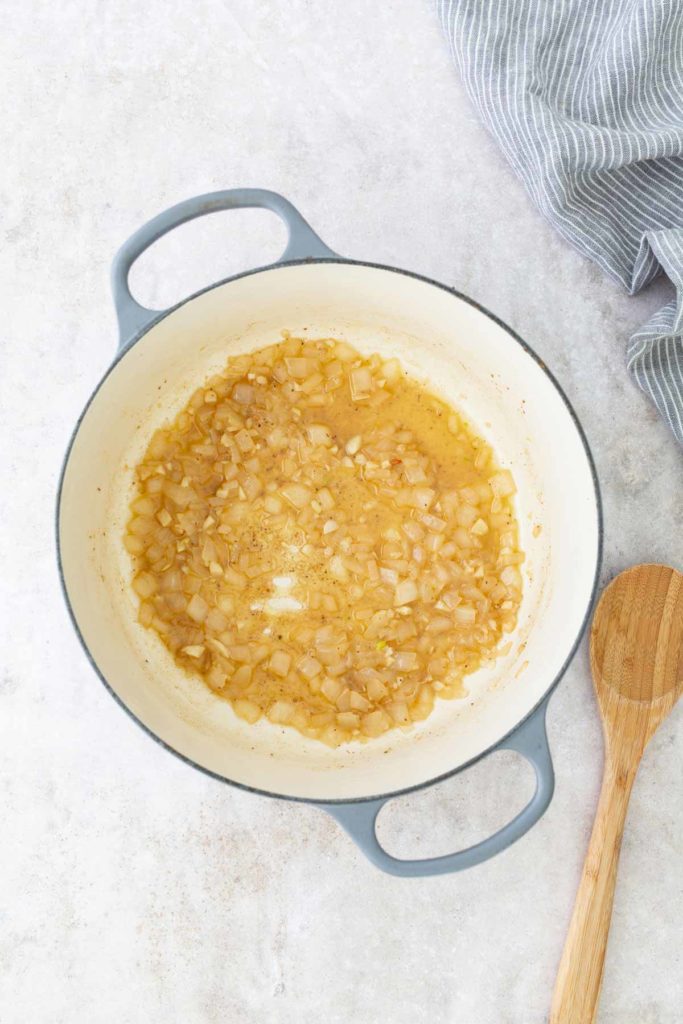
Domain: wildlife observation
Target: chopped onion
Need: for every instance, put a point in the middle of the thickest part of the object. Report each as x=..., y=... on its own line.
x=197, y=608
x=319, y=433
x=406, y=591
x=398, y=710
x=361, y=383
x=348, y=720
x=279, y=663
x=331, y=688
x=423, y=497
x=296, y=494
x=298, y=368
x=243, y=394
x=309, y=666
x=194, y=651
x=281, y=712
x=144, y=585
x=502, y=484
x=333, y=586
x=247, y=710
x=375, y=690
x=374, y=723
x=406, y=661
x=325, y=498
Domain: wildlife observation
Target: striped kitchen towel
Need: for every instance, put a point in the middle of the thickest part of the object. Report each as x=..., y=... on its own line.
x=585, y=97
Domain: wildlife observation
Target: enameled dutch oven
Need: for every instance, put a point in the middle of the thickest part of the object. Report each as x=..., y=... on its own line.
x=467, y=356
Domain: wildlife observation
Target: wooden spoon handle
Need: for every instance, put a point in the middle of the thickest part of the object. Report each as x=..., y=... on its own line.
x=579, y=978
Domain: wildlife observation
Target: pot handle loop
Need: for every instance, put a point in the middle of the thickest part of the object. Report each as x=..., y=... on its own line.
x=530, y=740
x=302, y=243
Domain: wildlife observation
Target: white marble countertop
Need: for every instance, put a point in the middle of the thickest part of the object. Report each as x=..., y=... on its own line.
x=132, y=888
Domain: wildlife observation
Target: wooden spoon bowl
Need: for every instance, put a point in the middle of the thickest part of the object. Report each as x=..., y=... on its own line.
x=636, y=647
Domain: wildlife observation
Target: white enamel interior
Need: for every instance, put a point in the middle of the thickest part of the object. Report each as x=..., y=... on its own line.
x=468, y=359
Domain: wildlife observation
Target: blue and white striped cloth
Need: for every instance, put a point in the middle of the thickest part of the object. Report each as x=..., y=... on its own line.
x=585, y=97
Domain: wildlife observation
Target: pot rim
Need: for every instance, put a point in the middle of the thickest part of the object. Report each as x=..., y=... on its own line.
x=163, y=314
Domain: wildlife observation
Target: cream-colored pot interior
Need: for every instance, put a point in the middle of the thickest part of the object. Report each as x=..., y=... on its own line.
x=468, y=359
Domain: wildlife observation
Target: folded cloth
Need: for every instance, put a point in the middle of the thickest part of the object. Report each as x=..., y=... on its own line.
x=585, y=97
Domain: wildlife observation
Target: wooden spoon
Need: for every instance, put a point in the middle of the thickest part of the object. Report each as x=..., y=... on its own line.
x=636, y=648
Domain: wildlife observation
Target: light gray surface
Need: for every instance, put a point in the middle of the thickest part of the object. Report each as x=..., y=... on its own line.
x=132, y=888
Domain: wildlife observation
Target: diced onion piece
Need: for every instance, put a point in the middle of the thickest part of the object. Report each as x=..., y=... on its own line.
x=344, y=700
x=331, y=688
x=145, y=613
x=406, y=591
x=242, y=676
x=422, y=497
x=325, y=498
x=279, y=663
x=333, y=736
x=464, y=614
x=415, y=474
x=413, y=530
x=479, y=528
x=502, y=483
x=141, y=526
x=300, y=718
x=298, y=367
x=423, y=705
x=216, y=620
x=344, y=352
x=247, y=710
x=244, y=441
x=361, y=383
x=197, y=608
x=182, y=496
x=144, y=585
x=398, y=711
x=353, y=445
x=216, y=677
x=298, y=495
x=434, y=523
x=358, y=702
x=241, y=652
x=277, y=438
x=281, y=712
x=391, y=370
x=319, y=433
x=194, y=650
x=376, y=690
x=374, y=723
x=243, y=393
x=388, y=575
x=338, y=569
x=440, y=624
x=234, y=578
x=309, y=667
x=406, y=661
x=348, y=720
x=144, y=506
x=511, y=577
x=134, y=545
x=466, y=515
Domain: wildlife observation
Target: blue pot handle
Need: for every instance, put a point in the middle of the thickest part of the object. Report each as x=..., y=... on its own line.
x=303, y=243
x=530, y=740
